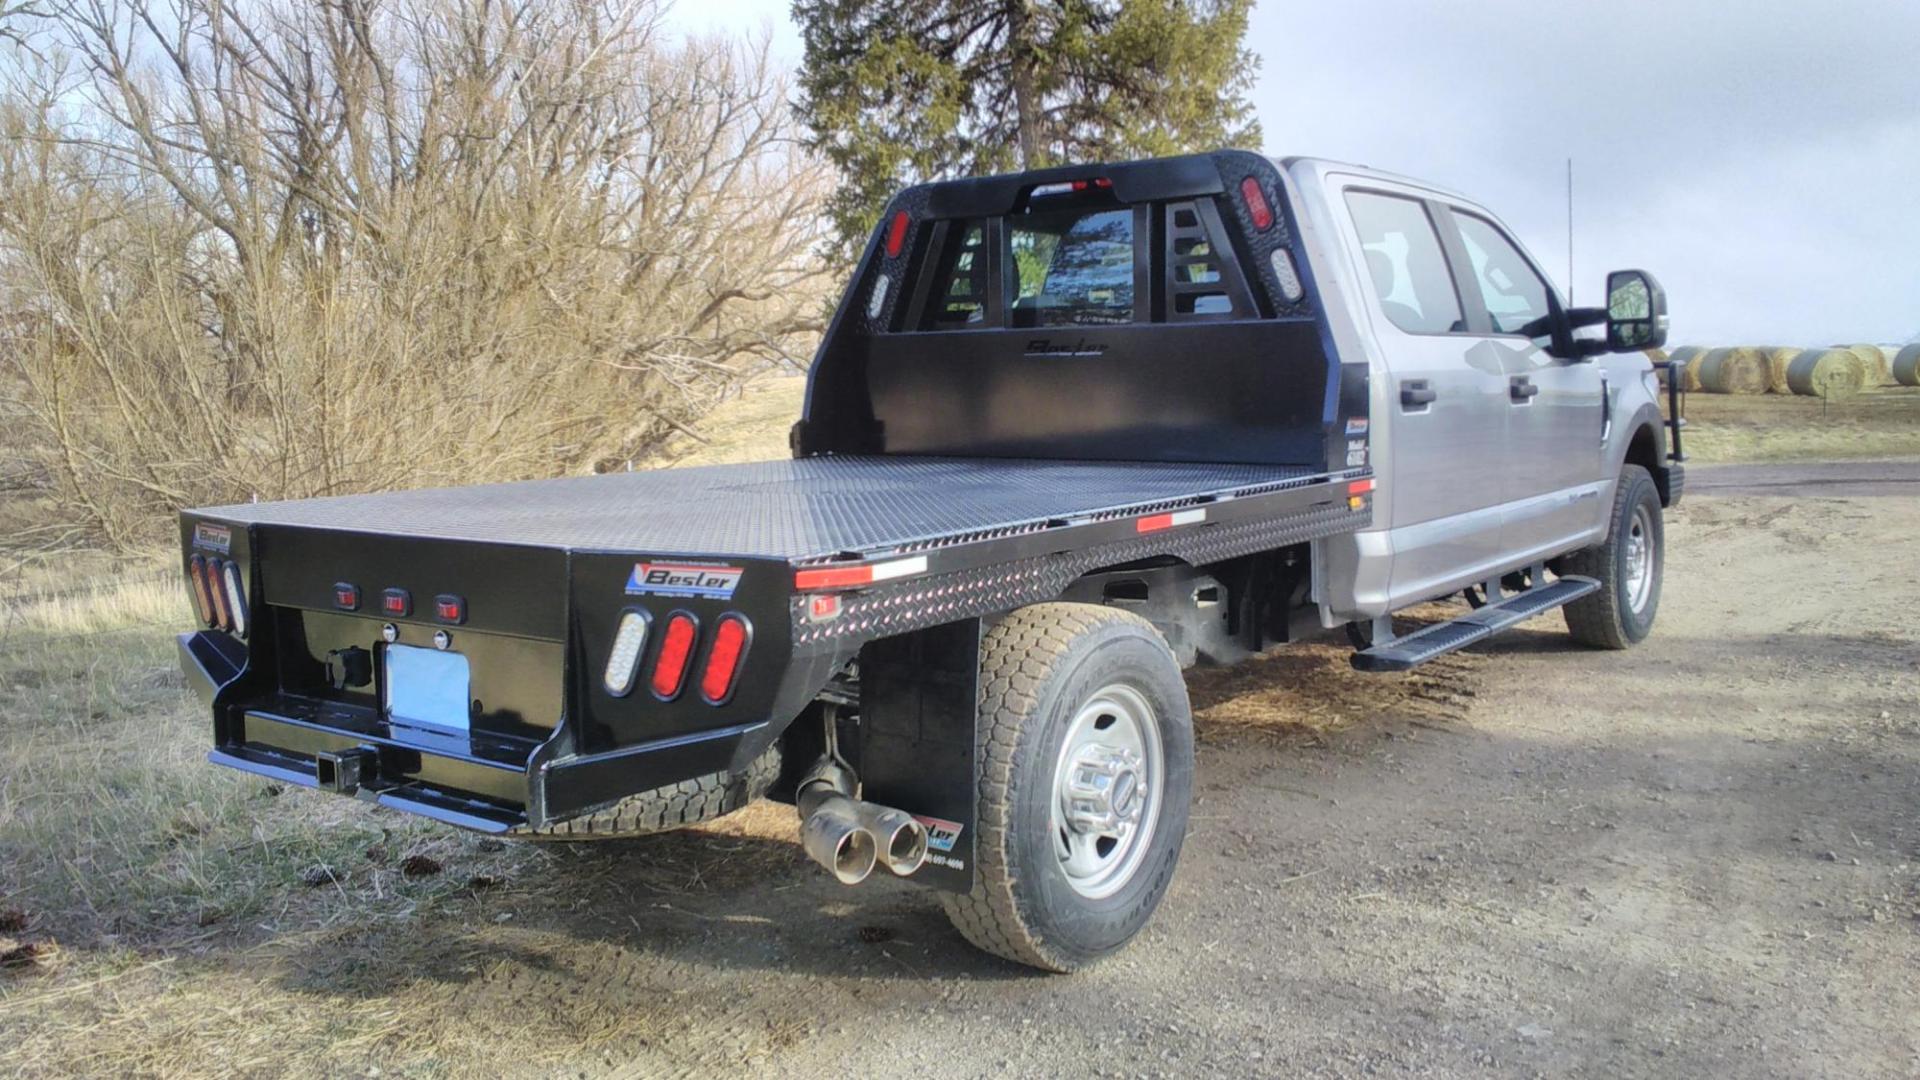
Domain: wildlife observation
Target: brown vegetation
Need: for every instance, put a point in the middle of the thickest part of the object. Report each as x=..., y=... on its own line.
x=298, y=248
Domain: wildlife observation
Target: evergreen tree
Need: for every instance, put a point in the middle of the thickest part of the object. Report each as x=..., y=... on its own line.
x=898, y=91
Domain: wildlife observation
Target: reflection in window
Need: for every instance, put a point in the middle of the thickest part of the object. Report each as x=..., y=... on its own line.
x=1071, y=268
x=1516, y=297
x=1409, y=272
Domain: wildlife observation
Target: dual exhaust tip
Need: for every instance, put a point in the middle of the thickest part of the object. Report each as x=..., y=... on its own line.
x=850, y=837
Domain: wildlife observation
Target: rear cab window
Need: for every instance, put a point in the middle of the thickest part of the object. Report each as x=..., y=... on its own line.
x=1081, y=259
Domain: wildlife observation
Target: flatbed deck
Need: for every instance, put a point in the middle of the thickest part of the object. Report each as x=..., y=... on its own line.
x=800, y=510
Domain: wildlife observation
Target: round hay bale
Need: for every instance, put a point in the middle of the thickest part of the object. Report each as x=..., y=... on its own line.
x=1734, y=371
x=1686, y=359
x=1906, y=366
x=1833, y=374
x=1777, y=361
x=1879, y=371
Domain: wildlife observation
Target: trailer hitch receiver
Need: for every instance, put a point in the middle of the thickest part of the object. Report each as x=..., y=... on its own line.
x=345, y=770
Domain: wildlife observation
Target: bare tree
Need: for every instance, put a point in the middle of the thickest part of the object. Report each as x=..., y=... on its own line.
x=292, y=248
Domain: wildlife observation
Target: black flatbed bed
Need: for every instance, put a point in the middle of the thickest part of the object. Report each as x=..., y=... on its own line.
x=799, y=510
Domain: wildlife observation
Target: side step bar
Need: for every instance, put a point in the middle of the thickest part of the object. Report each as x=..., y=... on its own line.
x=1440, y=639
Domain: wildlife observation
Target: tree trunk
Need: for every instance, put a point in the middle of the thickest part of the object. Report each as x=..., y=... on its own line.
x=1025, y=66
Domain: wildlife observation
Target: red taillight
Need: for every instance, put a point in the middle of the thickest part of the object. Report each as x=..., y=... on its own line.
x=450, y=609
x=676, y=647
x=723, y=659
x=221, y=616
x=397, y=603
x=897, y=234
x=1256, y=201
x=202, y=595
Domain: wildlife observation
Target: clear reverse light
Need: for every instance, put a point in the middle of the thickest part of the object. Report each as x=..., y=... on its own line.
x=1290, y=286
x=236, y=597
x=629, y=641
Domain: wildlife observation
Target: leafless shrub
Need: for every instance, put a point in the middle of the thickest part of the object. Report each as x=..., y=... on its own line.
x=294, y=248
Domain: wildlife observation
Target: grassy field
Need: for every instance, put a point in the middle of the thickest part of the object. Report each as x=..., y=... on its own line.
x=162, y=917
x=1773, y=427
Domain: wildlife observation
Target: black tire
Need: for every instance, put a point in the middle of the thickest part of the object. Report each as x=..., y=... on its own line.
x=1610, y=618
x=664, y=809
x=1037, y=667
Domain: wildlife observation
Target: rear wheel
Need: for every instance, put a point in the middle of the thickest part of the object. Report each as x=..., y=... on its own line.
x=1628, y=566
x=1086, y=767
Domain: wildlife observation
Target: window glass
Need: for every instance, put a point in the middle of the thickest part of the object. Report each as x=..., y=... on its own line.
x=1516, y=297
x=959, y=300
x=1071, y=268
x=1404, y=259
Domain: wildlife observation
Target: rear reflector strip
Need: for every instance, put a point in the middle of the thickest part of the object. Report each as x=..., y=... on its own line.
x=629, y=641
x=202, y=596
x=847, y=577
x=1157, y=522
x=236, y=597
x=676, y=648
x=723, y=659
x=1360, y=487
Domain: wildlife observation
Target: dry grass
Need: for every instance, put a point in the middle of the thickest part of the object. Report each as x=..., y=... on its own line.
x=1876, y=423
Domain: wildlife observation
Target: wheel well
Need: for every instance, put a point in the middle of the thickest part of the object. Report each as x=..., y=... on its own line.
x=1644, y=450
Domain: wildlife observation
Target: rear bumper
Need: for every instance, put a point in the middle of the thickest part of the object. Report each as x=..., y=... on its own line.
x=488, y=785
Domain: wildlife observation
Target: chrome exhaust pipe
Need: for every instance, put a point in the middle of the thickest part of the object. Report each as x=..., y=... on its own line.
x=832, y=835
x=902, y=840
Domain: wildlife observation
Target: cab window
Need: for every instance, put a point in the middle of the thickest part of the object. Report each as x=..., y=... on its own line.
x=1405, y=261
x=1070, y=268
x=1515, y=296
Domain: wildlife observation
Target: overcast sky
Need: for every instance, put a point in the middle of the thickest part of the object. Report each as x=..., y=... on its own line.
x=1761, y=157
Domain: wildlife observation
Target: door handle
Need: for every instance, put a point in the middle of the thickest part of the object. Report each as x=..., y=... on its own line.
x=1521, y=388
x=1415, y=393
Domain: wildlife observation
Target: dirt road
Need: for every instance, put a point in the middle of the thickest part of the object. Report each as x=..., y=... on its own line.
x=1697, y=858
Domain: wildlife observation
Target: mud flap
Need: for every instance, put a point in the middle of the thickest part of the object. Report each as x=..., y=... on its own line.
x=919, y=696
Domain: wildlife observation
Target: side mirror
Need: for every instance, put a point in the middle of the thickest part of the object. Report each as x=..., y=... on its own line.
x=1636, y=311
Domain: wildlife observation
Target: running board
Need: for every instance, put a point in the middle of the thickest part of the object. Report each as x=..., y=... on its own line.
x=1440, y=639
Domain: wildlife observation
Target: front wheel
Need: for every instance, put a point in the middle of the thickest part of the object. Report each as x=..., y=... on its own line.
x=1085, y=771
x=1628, y=566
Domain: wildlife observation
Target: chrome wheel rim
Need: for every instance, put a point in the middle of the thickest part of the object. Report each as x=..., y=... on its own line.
x=1107, y=787
x=1640, y=557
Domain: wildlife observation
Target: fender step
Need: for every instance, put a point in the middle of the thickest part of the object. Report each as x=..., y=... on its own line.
x=1424, y=644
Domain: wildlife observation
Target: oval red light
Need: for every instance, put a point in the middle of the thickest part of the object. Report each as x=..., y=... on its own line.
x=676, y=647
x=723, y=659
x=897, y=234
x=1256, y=201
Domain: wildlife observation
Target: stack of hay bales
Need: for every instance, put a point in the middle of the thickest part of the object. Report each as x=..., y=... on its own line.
x=1686, y=362
x=1906, y=366
x=1742, y=370
x=1879, y=372
x=1777, y=361
x=1832, y=374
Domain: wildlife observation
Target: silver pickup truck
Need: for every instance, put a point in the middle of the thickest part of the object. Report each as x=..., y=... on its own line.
x=1069, y=432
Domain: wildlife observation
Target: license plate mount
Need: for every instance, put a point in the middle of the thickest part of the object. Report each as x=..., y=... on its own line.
x=427, y=688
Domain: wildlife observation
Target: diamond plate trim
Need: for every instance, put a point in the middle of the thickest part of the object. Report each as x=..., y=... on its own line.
x=942, y=598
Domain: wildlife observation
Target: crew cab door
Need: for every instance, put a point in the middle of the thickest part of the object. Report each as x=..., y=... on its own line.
x=1440, y=420
x=1551, y=474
